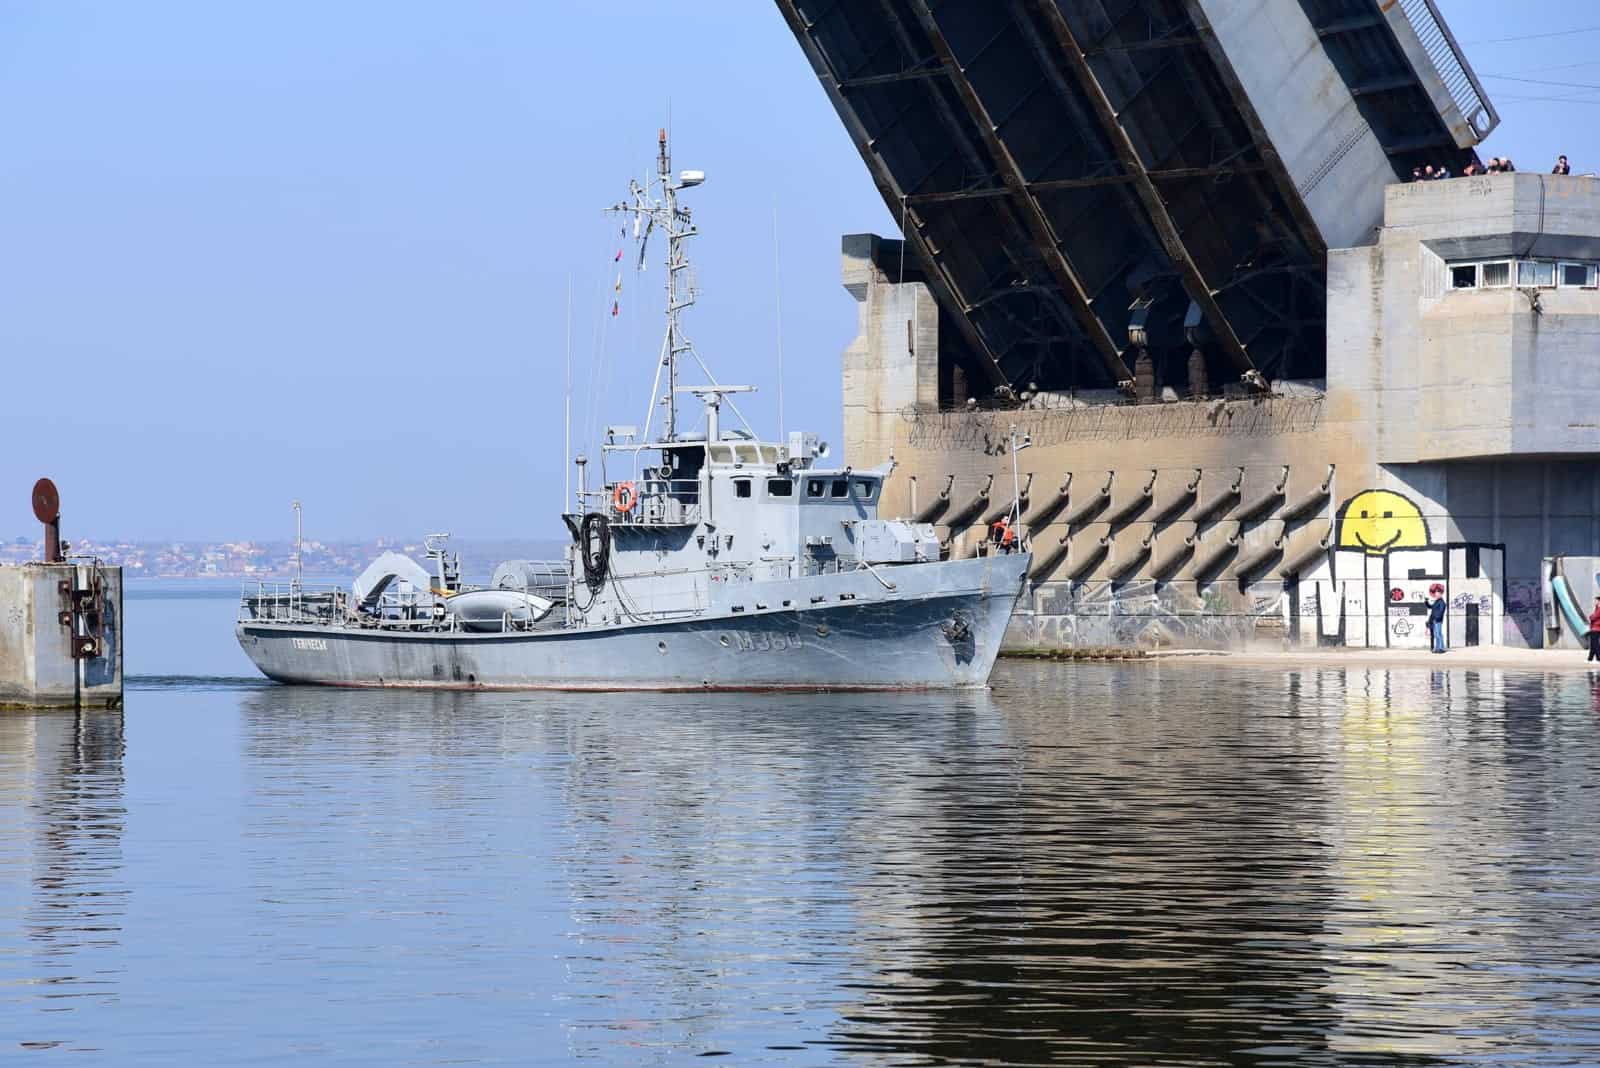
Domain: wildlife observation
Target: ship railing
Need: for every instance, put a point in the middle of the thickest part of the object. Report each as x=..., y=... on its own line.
x=293, y=602
x=654, y=501
x=329, y=605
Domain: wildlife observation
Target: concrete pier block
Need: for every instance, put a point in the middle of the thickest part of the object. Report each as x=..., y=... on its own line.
x=1174, y=546
x=61, y=636
x=1093, y=549
x=1049, y=507
x=939, y=505
x=1177, y=500
x=1309, y=501
x=1307, y=547
x=1091, y=504
x=1214, y=553
x=1137, y=502
x=1254, y=557
x=1264, y=502
x=1128, y=554
x=1022, y=495
x=1048, y=555
x=1225, y=498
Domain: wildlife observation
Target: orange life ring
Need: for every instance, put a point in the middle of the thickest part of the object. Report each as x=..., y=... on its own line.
x=624, y=497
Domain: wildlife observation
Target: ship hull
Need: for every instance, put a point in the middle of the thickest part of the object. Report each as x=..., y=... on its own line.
x=940, y=628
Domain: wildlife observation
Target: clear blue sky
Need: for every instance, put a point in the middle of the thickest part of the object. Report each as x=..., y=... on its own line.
x=251, y=252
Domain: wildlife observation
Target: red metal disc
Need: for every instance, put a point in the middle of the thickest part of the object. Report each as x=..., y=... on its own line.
x=46, y=501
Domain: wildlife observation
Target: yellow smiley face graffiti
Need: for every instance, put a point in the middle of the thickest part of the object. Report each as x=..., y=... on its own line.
x=1377, y=521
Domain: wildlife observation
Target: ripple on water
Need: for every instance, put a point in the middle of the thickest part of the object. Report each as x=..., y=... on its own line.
x=1093, y=864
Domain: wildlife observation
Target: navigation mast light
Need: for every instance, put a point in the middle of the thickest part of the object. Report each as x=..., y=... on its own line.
x=690, y=179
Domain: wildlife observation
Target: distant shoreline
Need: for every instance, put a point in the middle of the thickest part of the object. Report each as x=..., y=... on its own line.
x=273, y=561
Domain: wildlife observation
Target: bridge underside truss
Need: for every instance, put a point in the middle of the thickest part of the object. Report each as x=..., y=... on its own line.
x=1080, y=183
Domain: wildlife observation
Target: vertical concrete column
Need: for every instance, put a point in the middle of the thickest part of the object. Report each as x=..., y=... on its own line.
x=893, y=363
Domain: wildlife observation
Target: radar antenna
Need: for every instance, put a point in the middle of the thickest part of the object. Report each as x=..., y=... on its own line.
x=654, y=206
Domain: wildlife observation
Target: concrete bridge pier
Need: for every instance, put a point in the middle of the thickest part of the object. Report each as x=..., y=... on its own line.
x=60, y=625
x=61, y=636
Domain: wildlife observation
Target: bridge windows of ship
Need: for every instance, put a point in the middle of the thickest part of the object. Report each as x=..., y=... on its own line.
x=780, y=487
x=866, y=488
x=741, y=487
x=841, y=486
x=1524, y=274
x=744, y=453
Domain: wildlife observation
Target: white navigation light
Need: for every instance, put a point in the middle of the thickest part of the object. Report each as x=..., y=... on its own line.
x=689, y=179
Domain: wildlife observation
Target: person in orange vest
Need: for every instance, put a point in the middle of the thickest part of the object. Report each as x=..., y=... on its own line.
x=1002, y=535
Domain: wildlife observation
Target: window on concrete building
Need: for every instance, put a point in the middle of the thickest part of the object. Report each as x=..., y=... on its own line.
x=1540, y=274
x=1526, y=274
x=1578, y=276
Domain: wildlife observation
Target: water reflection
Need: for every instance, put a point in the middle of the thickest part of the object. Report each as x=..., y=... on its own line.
x=62, y=820
x=1103, y=865
x=1097, y=866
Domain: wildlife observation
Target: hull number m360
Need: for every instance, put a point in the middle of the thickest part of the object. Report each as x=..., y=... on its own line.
x=760, y=641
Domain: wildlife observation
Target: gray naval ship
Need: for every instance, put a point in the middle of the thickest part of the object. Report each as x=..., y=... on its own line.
x=706, y=559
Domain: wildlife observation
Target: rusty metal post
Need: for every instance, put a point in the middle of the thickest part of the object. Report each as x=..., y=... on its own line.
x=47, y=509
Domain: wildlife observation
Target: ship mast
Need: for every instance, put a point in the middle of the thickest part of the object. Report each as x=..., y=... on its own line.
x=662, y=212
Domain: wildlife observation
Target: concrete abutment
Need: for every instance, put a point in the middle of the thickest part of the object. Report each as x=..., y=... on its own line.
x=1453, y=442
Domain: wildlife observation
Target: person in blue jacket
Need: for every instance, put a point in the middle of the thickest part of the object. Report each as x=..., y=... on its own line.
x=1436, y=616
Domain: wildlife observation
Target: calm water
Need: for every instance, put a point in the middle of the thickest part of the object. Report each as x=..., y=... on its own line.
x=1097, y=865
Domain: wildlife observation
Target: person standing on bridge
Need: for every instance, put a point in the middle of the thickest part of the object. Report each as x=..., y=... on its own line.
x=1562, y=166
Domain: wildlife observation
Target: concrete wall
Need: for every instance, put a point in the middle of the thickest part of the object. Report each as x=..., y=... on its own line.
x=1436, y=374
x=1457, y=439
x=37, y=668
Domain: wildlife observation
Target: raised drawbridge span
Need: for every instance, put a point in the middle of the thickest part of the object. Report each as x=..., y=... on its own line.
x=1097, y=187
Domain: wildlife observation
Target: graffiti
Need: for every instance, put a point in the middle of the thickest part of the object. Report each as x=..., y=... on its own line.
x=1369, y=590
x=1373, y=589
x=1377, y=521
x=1148, y=613
x=988, y=432
x=1523, y=597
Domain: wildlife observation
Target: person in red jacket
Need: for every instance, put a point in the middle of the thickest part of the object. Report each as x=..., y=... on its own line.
x=1002, y=534
x=1594, y=631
